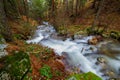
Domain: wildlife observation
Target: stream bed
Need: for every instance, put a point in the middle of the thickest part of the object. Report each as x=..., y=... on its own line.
x=102, y=59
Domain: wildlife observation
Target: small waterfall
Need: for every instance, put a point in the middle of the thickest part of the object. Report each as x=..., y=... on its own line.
x=77, y=52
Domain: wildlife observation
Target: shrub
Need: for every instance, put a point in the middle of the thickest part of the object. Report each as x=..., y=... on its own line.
x=46, y=71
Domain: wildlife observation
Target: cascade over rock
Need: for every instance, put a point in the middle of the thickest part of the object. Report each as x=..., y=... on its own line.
x=78, y=53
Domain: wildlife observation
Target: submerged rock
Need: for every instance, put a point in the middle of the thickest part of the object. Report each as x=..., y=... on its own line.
x=101, y=60
x=110, y=74
x=78, y=36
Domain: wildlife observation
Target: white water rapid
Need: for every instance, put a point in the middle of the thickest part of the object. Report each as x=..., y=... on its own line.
x=77, y=52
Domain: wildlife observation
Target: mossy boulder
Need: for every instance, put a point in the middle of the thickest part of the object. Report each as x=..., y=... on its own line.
x=115, y=34
x=95, y=31
x=85, y=76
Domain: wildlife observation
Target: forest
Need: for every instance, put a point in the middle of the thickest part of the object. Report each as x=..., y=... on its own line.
x=59, y=39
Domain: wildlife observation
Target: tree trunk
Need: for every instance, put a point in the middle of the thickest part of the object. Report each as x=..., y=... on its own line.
x=94, y=2
x=26, y=9
x=66, y=8
x=4, y=28
x=53, y=5
x=71, y=7
x=97, y=15
x=76, y=7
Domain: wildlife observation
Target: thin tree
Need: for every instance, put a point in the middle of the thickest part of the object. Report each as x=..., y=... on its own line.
x=97, y=15
x=76, y=7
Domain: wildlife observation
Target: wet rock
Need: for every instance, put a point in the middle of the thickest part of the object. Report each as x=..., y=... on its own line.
x=114, y=34
x=101, y=60
x=110, y=74
x=60, y=57
x=64, y=54
x=58, y=37
x=105, y=35
x=91, y=48
x=76, y=69
x=78, y=36
x=93, y=41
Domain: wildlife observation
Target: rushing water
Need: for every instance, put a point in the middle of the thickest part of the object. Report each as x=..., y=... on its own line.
x=78, y=53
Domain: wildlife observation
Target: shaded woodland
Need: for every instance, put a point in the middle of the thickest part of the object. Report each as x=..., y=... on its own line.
x=61, y=13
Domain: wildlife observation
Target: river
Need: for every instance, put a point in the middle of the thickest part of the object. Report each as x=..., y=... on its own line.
x=80, y=54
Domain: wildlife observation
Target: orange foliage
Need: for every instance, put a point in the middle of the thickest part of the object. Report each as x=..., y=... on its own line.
x=25, y=19
x=36, y=65
x=12, y=48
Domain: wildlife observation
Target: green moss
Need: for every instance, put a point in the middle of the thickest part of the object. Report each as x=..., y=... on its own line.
x=17, y=36
x=115, y=34
x=85, y=76
x=46, y=71
x=97, y=31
